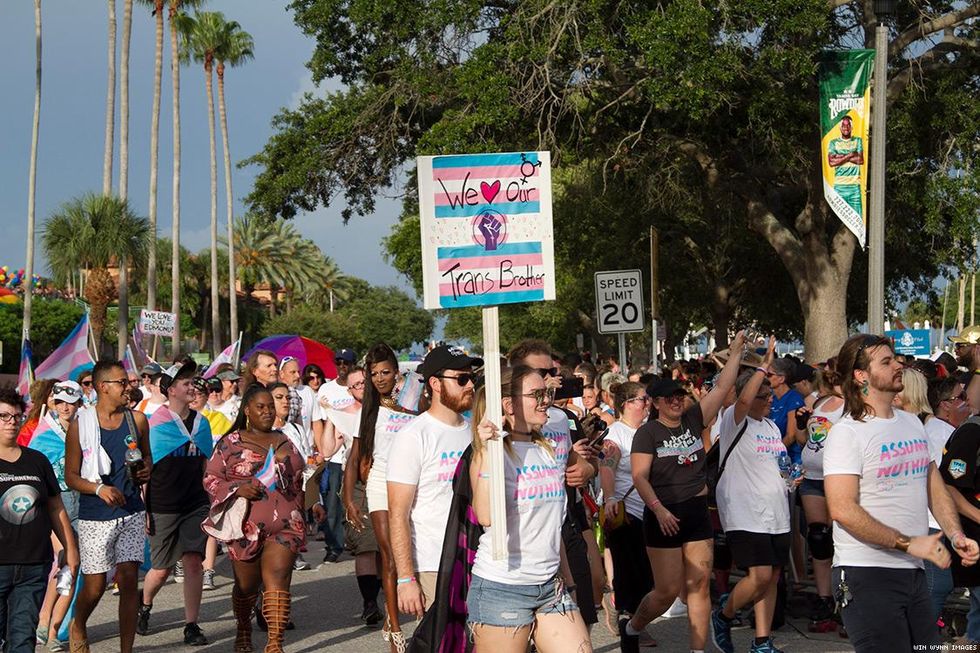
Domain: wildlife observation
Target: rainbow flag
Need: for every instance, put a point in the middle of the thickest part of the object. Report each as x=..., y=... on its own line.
x=71, y=358
x=267, y=475
x=168, y=432
x=26, y=375
x=486, y=229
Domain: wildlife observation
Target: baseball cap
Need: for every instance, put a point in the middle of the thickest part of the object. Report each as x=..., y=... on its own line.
x=151, y=369
x=968, y=336
x=229, y=375
x=445, y=357
x=347, y=355
x=665, y=388
x=67, y=391
x=185, y=369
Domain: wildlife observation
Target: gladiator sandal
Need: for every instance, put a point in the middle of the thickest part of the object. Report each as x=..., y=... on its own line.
x=242, y=607
x=275, y=609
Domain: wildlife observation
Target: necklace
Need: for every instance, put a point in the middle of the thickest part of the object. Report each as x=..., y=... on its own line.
x=389, y=403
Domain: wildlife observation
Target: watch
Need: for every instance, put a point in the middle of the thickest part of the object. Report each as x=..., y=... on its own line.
x=902, y=543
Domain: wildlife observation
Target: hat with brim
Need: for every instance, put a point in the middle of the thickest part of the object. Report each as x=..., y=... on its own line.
x=968, y=336
x=445, y=357
x=151, y=369
x=67, y=391
x=665, y=388
x=185, y=369
x=229, y=375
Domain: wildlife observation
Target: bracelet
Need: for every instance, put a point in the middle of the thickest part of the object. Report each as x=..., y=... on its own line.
x=484, y=475
x=98, y=488
x=656, y=502
x=405, y=581
x=762, y=369
x=952, y=538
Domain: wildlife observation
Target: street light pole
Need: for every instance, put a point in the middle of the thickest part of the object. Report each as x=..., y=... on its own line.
x=876, y=219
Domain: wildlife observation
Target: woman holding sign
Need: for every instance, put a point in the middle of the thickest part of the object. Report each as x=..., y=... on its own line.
x=524, y=593
x=381, y=420
x=255, y=476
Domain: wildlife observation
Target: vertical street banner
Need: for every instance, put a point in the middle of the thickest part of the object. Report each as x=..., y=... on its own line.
x=845, y=115
x=486, y=229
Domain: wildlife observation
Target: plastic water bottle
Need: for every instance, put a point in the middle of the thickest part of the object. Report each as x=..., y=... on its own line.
x=785, y=468
x=64, y=581
x=134, y=461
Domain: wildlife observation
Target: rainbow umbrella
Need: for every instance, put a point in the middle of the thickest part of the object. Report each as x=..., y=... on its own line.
x=303, y=349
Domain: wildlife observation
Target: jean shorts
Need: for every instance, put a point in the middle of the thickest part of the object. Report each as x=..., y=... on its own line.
x=515, y=606
x=811, y=487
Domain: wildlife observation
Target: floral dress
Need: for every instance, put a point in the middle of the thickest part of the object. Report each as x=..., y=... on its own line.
x=279, y=515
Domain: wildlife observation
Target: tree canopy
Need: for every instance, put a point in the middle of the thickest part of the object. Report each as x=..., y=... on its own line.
x=697, y=118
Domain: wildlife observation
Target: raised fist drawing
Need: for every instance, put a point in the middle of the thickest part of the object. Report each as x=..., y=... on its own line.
x=490, y=228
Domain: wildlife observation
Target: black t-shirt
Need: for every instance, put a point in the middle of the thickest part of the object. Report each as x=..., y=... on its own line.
x=677, y=472
x=959, y=469
x=26, y=486
x=177, y=481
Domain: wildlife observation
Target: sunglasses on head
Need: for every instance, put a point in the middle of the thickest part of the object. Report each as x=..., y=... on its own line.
x=66, y=390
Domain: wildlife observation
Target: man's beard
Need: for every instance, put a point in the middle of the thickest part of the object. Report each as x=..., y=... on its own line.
x=966, y=358
x=458, y=403
x=887, y=382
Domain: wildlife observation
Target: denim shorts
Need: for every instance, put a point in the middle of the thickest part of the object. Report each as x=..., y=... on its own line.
x=811, y=487
x=515, y=606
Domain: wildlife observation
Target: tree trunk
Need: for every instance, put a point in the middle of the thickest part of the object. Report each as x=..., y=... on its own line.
x=961, y=305
x=175, y=229
x=215, y=307
x=127, y=29
x=825, y=327
x=110, y=104
x=151, y=262
x=32, y=178
x=721, y=313
x=99, y=291
x=232, y=290
x=122, y=321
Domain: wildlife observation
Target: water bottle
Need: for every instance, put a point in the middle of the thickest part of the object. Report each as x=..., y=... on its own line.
x=134, y=461
x=64, y=581
x=785, y=468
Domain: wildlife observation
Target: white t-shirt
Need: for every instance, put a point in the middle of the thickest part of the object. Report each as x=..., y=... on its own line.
x=338, y=398
x=229, y=408
x=818, y=427
x=535, y=491
x=752, y=495
x=310, y=409
x=388, y=424
x=300, y=439
x=148, y=406
x=425, y=454
x=938, y=432
x=622, y=436
x=891, y=457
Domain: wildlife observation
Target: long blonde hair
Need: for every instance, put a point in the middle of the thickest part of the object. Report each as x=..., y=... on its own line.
x=511, y=380
x=915, y=394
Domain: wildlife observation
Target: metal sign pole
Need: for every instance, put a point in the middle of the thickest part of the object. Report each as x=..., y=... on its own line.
x=623, y=367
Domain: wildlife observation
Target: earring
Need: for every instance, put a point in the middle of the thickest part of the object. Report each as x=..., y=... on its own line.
x=864, y=388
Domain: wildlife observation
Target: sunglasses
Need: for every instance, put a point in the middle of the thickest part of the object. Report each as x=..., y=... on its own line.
x=461, y=379
x=66, y=390
x=87, y=384
x=542, y=396
x=960, y=397
x=342, y=361
x=545, y=372
x=286, y=359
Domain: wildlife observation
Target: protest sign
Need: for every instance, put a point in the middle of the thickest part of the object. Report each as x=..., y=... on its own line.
x=486, y=229
x=158, y=323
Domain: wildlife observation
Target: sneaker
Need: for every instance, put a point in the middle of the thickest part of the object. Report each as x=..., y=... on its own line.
x=208, y=582
x=677, y=609
x=371, y=614
x=721, y=628
x=41, y=635
x=115, y=589
x=55, y=645
x=627, y=643
x=143, y=619
x=300, y=564
x=765, y=647
x=331, y=556
x=179, y=572
x=193, y=635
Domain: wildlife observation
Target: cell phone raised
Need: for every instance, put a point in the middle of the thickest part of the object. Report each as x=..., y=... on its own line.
x=570, y=388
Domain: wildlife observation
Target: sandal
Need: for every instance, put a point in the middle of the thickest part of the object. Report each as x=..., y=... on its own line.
x=75, y=645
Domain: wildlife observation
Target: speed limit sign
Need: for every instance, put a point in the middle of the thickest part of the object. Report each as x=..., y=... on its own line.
x=619, y=301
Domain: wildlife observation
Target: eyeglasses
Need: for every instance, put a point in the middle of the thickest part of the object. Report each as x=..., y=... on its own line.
x=355, y=386
x=674, y=399
x=461, y=379
x=11, y=418
x=960, y=397
x=379, y=373
x=134, y=383
x=545, y=372
x=542, y=396
x=121, y=382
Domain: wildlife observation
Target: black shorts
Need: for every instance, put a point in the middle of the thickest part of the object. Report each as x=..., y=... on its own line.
x=758, y=549
x=694, y=522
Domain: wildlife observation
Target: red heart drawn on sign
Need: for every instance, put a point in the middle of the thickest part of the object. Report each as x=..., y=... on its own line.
x=489, y=190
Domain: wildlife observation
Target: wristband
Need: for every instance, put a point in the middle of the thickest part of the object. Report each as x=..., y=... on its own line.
x=405, y=581
x=952, y=538
x=484, y=475
x=656, y=502
x=762, y=369
x=98, y=488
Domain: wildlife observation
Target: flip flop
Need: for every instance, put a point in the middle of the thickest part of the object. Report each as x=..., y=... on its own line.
x=76, y=646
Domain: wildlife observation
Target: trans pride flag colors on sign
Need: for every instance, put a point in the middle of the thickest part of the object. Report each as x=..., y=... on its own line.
x=486, y=229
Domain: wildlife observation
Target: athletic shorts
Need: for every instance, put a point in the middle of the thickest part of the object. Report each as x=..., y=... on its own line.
x=515, y=606
x=811, y=487
x=758, y=549
x=173, y=535
x=694, y=523
x=104, y=544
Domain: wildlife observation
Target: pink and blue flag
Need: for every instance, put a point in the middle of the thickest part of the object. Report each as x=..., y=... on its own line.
x=168, y=433
x=71, y=358
x=25, y=376
x=229, y=355
x=486, y=229
x=267, y=475
x=49, y=439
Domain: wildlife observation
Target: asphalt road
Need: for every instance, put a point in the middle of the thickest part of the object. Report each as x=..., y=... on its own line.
x=326, y=610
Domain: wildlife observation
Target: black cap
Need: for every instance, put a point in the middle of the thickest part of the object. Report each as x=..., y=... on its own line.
x=346, y=355
x=445, y=357
x=185, y=369
x=665, y=388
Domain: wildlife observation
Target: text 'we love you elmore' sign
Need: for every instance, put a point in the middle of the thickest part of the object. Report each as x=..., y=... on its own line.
x=487, y=236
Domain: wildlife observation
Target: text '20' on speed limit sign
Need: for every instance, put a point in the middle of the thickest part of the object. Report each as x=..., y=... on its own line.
x=619, y=301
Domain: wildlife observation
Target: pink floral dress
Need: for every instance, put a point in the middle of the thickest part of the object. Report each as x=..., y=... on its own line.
x=279, y=515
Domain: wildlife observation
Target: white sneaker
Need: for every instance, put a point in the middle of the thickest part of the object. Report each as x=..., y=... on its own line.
x=208, y=583
x=677, y=609
x=300, y=564
x=179, y=572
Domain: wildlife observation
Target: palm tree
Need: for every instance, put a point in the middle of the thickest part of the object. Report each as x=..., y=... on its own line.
x=151, y=267
x=205, y=33
x=331, y=280
x=91, y=232
x=110, y=103
x=235, y=50
x=32, y=176
x=122, y=324
x=274, y=253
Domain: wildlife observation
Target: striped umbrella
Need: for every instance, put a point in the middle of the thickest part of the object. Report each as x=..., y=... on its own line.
x=304, y=350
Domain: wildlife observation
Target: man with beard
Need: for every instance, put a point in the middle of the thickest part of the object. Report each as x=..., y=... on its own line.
x=421, y=465
x=967, y=349
x=881, y=483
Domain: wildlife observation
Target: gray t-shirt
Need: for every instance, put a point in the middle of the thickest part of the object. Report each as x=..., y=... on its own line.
x=677, y=472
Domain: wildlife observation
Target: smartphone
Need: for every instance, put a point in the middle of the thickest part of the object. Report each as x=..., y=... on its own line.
x=599, y=438
x=570, y=388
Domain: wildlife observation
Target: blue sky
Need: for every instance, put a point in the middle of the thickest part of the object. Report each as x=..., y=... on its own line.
x=73, y=122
